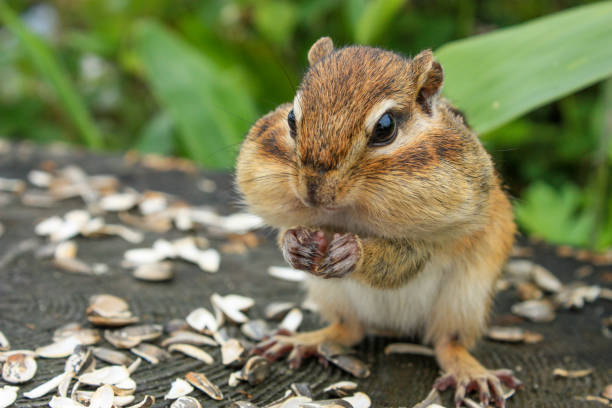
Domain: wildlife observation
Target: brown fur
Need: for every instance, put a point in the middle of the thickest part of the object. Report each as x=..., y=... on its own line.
x=430, y=197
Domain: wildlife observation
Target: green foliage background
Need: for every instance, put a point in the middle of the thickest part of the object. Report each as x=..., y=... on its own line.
x=189, y=77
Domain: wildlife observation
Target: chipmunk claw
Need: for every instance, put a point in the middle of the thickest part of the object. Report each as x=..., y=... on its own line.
x=304, y=249
x=488, y=384
x=343, y=254
x=284, y=345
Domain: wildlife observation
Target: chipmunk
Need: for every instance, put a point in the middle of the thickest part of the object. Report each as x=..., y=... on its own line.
x=382, y=193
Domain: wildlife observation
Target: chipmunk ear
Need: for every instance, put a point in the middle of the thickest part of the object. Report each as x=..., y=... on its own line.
x=322, y=48
x=429, y=77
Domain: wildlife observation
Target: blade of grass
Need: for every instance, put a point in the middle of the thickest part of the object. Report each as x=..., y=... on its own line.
x=46, y=62
x=211, y=109
x=499, y=76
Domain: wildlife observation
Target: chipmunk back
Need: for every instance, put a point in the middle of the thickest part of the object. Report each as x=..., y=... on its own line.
x=384, y=195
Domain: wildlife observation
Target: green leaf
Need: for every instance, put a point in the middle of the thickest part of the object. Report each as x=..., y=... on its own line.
x=210, y=108
x=47, y=63
x=555, y=215
x=371, y=18
x=276, y=21
x=157, y=136
x=497, y=77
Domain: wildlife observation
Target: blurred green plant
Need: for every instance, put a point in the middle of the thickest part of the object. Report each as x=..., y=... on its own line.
x=499, y=76
x=211, y=108
x=47, y=63
x=188, y=78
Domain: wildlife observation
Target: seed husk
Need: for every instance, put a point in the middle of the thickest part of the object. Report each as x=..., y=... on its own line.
x=193, y=352
x=561, y=372
x=179, y=388
x=107, y=305
x=186, y=402
x=112, y=356
x=106, y=375
x=118, y=401
x=243, y=404
x=301, y=389
x=607, y=392
x=119, y=202
x=117, y=321
x=80, y=359
x=152, y=202
x=341, y=388
x=255, y=329
x=19, y=368
x=528, y=291
x=285, y=273
x=4, y=343
x=8, y=395
x=46, y=387
x=143, y=256
x=292, y=320
x=148, y=401
x=86, y=337
x=235, y=378
x=233, y=352
x=278, y=310
x=239, y=302
x=60, y=349
x=102, y=397
x=154, y=272
x=200, y=319
x=545, y=279
x=202, y=383
x=120, y=340
x=125, y=387
x=408, y=348
x=340, y=356
x=230, y=310
x=66, y=250
x=4, y=355
x=134, y=366
x=73, y=265
x=175, y=325
x=151, y=353
x=64, y=402
x=144, y=332
x=535, y=310
x=519, y=269
x=513, y=335
x=351, y=365
x=47, y=226
x=187, y=337
x=575, y=296
x=256, y=370
x=359, y=400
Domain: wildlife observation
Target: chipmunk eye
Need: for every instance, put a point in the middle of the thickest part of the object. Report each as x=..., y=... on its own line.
x=384, y=131
x=291, y=122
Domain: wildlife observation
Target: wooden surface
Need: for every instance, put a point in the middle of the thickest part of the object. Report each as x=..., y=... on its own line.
x=36, y=298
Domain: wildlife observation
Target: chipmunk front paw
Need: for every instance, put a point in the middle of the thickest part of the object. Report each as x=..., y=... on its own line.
x=304, y=249
x=310, y=251
x=342, y=256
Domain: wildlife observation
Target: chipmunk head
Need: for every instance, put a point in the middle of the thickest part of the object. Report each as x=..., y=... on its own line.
x=352, y=104
x=367, y=135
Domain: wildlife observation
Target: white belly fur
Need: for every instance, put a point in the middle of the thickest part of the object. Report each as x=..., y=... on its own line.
x=404, y=310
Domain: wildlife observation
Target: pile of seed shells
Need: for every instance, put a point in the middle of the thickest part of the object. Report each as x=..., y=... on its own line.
x=98, y=376
x=137, y=212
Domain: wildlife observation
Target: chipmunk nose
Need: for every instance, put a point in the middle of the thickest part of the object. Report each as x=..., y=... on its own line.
x=318, y=191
